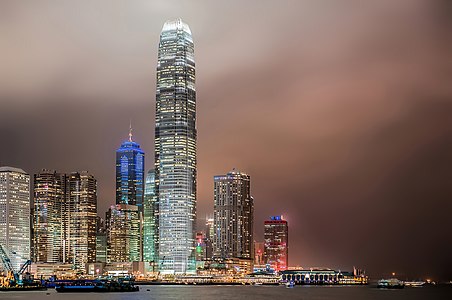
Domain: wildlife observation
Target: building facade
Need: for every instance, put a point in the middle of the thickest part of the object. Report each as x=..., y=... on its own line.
x=175, y=148
x=130, y=173
x=123, y=233
x=276, y=247
x=15, y=214
x=150, y=220
x=124, y=221
x=64, y=218
x=81, y=205
x=233, y=216
x=50, y=217
x=210, y=233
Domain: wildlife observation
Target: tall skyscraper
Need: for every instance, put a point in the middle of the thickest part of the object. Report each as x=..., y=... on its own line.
x=124, y=232
x=15, y=214
x=233, y=216
x=130, y=173
x=50, y=217
x=150, y=220
x=82, y=213
x=175, y=148
x=64, y=218
x=276, y=247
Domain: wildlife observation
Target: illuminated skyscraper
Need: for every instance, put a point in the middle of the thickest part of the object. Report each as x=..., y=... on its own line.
x=49, y=217
x=233, y=216
x=150, y=220
x=64, y=218
x=276, y=247
x=123, y=233
x=130, y=173
x=210, y=233
x=124, y=242
x=15, y=214
x=175, y=148
x=82, y=212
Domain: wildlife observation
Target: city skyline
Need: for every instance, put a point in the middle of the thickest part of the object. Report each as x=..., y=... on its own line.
x=339, y=128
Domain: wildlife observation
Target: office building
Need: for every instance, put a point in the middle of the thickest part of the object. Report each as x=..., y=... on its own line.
x=276, y=247
x=175, y=149
x=15, y=214
x=130, y=173
x=233, y=216
x=81, y=205
x=50, y=217
x=64, y=218
x=150, y=220
x=123, y=233
x=124, y=220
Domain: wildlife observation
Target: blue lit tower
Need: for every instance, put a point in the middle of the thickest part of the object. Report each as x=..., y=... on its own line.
x=124, y=232
x=130, y=173
x=175, y=148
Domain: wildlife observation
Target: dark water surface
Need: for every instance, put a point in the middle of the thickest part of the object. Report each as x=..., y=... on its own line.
x=246, y=293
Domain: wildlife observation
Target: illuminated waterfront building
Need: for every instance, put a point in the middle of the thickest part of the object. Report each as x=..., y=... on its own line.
x=81, y=205
x=15, y=214
x=258, y=253
x=150, y=220
x=64, y=218
x=276, y=247
x=175, y=148
x=101, y=241
x=130, y=173
x=124, y=242
x=49, y=217
x=209, y=237
x=123, y=233
x=233, y=216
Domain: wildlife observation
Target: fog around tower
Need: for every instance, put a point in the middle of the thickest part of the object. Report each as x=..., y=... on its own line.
x=339, y=112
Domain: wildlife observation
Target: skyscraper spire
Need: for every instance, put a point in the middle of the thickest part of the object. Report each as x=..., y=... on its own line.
x=130, y=131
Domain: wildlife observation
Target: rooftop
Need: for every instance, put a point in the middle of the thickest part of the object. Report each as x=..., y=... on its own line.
x=177, y=24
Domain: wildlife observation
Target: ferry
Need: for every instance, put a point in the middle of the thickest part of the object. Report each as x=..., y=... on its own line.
x=392, y=283
x=414, y=283
x=96, y=286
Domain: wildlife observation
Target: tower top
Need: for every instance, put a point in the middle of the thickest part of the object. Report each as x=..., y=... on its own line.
x=130, y=132
x=177, y=24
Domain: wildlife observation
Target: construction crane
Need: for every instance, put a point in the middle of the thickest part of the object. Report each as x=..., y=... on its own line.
x=11, y=278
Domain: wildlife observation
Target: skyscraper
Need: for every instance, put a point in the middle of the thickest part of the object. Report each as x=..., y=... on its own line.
x=64, y=218
x=123, y=233
x=130, y=173
x=276, y=247
x=15, y=214
x=150, y=220
x=233, y=216
x=124, y=219
x=49, y=217
x=82, y=213
x=175, y=148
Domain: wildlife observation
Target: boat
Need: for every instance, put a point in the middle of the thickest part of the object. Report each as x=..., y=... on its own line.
x=392, y=283
x=96, y=286
x=414, y=283
x=290, y=284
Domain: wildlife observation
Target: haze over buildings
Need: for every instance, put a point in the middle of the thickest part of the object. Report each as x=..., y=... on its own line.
x=339, y=112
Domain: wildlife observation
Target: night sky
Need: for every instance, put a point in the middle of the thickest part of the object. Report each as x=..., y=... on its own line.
x=340, y=111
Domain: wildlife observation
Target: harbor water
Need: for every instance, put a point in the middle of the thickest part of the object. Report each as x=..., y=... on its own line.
x=246, y=293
